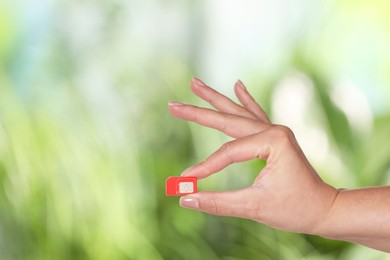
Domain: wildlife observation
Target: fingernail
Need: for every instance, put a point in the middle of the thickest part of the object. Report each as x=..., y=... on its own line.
x=186, y=171
x=189, y=202
x=173, y=103
x=240, y=84
x=197, y=82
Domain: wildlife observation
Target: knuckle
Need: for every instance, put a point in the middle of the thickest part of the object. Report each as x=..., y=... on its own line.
x=225, y=151
x=211, y=206
x=194, y=113
x=224, y=148
x=204, y=167
x=212, y=101
x=282, y=132
x=229, y=117
x=224, y=123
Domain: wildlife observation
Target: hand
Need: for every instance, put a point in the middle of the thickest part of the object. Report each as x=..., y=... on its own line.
x=287, y=194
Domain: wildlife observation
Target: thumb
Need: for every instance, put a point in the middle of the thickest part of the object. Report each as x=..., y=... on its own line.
x=244, y=203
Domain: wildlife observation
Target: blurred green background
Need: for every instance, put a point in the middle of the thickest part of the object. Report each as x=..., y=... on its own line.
x=86, y=141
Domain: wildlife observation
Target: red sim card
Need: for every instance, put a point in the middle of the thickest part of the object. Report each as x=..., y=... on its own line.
x=178, y=186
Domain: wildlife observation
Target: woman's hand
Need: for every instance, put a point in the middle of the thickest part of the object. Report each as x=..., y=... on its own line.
x=287, y=194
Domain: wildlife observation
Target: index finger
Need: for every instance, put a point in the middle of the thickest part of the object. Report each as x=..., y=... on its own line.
x=240, y=150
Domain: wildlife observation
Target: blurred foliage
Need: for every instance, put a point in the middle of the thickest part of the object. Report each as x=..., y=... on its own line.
x=86, y=141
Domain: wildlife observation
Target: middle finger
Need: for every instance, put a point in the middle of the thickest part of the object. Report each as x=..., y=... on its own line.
x=232, y=125
x=219, y=101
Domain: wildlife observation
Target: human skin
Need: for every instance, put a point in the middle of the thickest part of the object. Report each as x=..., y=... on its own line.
x=287, y=194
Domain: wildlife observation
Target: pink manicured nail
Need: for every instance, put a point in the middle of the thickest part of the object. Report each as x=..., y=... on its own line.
x=173, y=103
x=187, y=171
x=189, y=202
x=240, y=84
x=197, y=82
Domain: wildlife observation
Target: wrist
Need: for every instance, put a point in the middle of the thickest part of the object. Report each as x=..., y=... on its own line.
x=323, y=227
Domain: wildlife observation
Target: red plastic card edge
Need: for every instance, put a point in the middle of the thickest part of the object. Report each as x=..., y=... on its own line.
x=171, y=185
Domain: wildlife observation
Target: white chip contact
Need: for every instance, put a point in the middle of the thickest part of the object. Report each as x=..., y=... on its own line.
x=186, y=187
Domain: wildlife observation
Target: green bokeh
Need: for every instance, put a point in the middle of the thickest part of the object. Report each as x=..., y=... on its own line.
x=86, y=141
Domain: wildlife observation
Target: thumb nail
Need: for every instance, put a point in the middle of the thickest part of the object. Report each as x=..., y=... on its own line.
x=189, y=202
